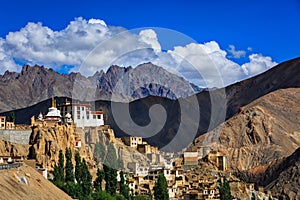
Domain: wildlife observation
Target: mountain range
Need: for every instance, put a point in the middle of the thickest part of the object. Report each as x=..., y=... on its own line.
x=37, y=83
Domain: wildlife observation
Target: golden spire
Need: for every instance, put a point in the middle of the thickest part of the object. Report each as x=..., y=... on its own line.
x=53, y=103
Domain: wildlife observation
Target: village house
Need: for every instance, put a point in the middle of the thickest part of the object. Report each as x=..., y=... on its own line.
x=190, y=158
x=10, y=125
x=132, y=141
x=2, y=122
x=138, y=169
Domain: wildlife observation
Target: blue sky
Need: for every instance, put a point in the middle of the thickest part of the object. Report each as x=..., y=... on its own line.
x=269, y=28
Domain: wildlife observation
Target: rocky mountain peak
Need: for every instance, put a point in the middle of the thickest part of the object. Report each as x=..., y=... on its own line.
x=37, y=83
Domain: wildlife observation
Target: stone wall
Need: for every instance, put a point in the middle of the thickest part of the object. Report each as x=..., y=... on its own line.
x=15, y=136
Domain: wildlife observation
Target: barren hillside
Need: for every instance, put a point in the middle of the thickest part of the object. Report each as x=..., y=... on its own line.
x=38, y=187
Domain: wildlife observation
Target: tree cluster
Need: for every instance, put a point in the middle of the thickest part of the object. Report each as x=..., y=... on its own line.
x=64, y=176
x=79, y=184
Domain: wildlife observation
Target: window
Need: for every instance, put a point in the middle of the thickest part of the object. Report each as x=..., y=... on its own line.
x=82, y=108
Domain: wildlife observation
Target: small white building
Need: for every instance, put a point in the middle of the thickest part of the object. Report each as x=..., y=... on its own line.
x=172, y=192
x=168, y=163
x=68, y=118
x=43, y=171
x=138, y=169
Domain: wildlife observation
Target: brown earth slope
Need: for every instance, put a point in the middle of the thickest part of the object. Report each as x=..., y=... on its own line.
x=264, y=130
x=38, y=187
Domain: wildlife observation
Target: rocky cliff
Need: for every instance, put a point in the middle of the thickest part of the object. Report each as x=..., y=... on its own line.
x=103, y=135
x=46, y=140
x=281, y=176
x=263, y=131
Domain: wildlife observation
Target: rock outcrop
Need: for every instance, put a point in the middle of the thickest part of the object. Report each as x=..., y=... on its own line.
x=281, y=176
x=47, y=139
x=103, y=135
x=12, y=149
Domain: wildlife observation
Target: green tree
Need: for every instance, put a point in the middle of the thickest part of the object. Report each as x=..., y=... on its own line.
x=150, y=195
x=58, y=172
x=99, y=179
x=119, y=197
x=77, y=167
x=124, y=189
x=86, y=179
x=69, y=166
x=11, y=117
x=141, y=197
x=72, y=189
x=110, y=170
x=100, y=195
x=110, y=176
x=161, y=188
x=224, y=187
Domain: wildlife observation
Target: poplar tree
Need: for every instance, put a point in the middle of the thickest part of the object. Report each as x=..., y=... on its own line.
x=99, y=179
x=110, y=170
x=86, y=182
x=59, y=169
x=124, y=189
x=225, y=193
x=161, y=188
x=77, y=167
x=69, y=166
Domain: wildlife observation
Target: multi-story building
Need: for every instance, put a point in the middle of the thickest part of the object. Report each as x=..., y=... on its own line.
x=82, y=114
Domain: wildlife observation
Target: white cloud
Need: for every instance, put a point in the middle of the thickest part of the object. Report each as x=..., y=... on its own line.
x=208, y=61
x=258, y=64
x=97, y=21
x=204, y=64
x=236, y=53
x=149, y=36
